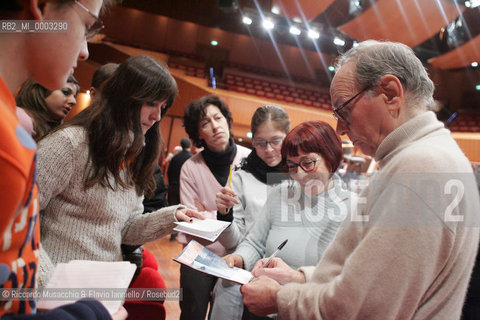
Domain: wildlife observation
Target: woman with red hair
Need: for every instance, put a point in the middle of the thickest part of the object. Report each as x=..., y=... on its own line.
x=307, y=209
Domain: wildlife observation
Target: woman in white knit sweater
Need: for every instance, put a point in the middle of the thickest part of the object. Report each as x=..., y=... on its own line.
x=94, y=170
x=241, y=203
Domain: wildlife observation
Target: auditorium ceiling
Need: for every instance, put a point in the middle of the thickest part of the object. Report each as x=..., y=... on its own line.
x=444, y=33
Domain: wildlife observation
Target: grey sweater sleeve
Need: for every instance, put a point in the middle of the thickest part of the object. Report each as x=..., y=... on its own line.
x=55, y=166
x=141, y=228
x=252, y=248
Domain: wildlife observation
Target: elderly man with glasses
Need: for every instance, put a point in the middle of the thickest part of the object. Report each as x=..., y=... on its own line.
x=408, y=250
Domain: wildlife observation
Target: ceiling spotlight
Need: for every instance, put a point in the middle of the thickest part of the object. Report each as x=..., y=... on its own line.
x=247, y=20
x=268, y=24
x=477, y=87
x=275, y=10
x=339, y=42
x=468, y=4
x=474, y=64
x=313, y=34
x=249, y=135
x=331, y=68
x=473, y=3
x=295, y=30
x=214, y=42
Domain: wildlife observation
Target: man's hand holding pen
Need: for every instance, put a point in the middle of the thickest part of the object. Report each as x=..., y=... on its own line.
x=278, y=270
x=260, y=294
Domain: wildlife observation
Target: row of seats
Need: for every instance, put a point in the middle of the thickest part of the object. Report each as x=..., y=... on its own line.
x=263, y=88
x=465, y=123
x=268, y=73
x=277, y=91
x=189, y=70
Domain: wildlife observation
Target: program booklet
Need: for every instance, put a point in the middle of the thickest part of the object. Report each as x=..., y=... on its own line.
x=79, y=279
x=196, y=256
x=208, y=229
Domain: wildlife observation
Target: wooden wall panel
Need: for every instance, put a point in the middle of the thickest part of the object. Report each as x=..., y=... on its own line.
x=303, y=9
x=469, y=143
x=181, y=36
x=408, y=21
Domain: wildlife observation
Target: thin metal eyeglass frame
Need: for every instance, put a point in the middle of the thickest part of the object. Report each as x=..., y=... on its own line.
x=89, y=32
x=270, y=142
x=300, y=165
x=336, y=113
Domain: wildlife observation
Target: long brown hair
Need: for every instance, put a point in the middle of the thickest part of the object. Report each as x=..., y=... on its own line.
x=31, y=97
x=115, y=138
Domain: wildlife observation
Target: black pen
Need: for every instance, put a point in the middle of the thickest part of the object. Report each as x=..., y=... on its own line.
x=274, y=253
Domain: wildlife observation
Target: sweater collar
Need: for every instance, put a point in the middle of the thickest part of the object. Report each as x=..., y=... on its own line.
x=405, y=134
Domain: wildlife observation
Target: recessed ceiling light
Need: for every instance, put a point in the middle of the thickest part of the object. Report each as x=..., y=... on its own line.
x=472, y=3
x=474, y=64
x=268, y=24
x=246, y=20
x=214, y=42
x=313, y=34
x=295, y=30
x=339, y=42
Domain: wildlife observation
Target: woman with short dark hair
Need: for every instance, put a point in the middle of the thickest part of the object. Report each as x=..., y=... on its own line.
x=208, y=122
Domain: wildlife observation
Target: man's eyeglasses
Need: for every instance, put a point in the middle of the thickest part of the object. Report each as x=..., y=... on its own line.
x=95, y=28
x=336, y=111
x=262, y=144
x=307, y=165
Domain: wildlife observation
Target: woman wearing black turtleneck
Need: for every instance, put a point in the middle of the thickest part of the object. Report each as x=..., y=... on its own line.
x=242, y=203
x=208, y=122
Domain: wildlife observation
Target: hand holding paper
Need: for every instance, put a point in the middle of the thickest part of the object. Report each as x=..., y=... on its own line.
x=196, y=256
x=208, y=229
x=234, y=260
x=186, y=214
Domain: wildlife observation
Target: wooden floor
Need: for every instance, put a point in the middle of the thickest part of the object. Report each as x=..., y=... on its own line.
x=165, y=251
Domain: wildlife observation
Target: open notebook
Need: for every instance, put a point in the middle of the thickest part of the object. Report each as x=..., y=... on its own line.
x=208, y=229
x=78, y=279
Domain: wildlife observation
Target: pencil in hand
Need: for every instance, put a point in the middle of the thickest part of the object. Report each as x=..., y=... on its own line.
x=229, y=183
